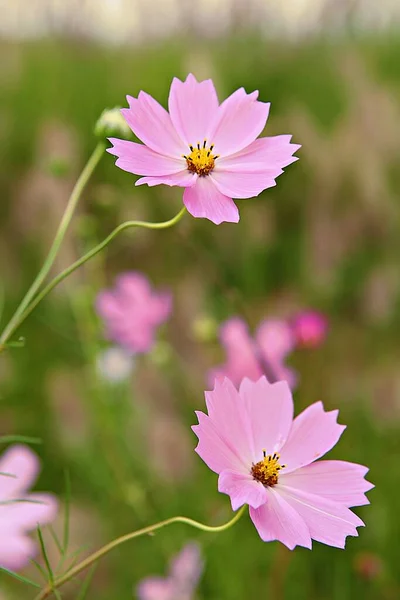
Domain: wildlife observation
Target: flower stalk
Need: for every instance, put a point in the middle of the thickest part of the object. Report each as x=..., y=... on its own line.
x=93, y=558
x=80, y=185
x=81, y=261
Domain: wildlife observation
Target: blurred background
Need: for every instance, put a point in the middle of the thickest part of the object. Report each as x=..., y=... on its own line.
x=327, y=238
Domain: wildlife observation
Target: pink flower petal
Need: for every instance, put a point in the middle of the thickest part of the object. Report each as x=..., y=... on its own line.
x=186, y=568
x=151, y=123
x=310, y=329
x=156, y=588
x=275, y=341
x=313, y=433
x=181, y=179
x=276, y=338
x=228, y=413
x=270, y=408
x=16, y=551
x=328, y=522
x=242, y=489
x=241, y=359
x=29, y=511
x=22, y=468
x=270, y=154
x=241, y=185
x=204, y=200
x=277, y=520
x=241, y=118
x=133, y=286
x=336, y=480
x=132, y=312
x=193, y=106
x=219, y=454
x=141, y=160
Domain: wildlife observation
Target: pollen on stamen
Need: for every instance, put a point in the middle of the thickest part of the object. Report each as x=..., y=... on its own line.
x=266, y=471
x=200, y=160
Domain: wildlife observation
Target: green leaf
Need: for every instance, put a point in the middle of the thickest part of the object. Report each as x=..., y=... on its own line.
x=67, y=512
x=20, y=577
x=86, y=584
x=24, y=439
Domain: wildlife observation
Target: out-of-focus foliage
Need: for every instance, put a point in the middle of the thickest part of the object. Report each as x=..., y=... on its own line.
x=326, y=237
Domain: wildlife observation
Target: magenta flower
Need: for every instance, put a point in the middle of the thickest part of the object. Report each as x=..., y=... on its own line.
x=266, y=459
x=180, y=584
x=263, y=355
x=132, y=312
x=210, y=149
x=309, y=329
x=20, y=511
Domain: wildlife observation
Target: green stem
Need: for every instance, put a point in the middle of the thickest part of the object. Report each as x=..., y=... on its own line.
x=62, y=228
x=52, y=284
x=48, y=590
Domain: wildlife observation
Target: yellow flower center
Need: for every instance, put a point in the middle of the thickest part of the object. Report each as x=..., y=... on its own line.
x=201, y=160
x=266, y=471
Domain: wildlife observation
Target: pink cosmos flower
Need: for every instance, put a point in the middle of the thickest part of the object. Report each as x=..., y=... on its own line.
x=20, y=511
x=210, y=149
x=132, y=312
x=248, y=357
x=184, y=574
x=266, y=459
x=309, y=329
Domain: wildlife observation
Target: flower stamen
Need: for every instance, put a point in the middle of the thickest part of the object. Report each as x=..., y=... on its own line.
x=201, y=160
x=266, y=470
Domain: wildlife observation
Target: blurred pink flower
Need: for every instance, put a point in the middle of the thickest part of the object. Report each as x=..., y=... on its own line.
x=265, y=459
x=210, y=149
x=184, y=574
x=309, y=329
x=132, y=312
x=263, y=355
x=20, y=511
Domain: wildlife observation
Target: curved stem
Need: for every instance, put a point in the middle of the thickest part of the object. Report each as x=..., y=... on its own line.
x=51, y=256
x=52, y=284
x=58, y=582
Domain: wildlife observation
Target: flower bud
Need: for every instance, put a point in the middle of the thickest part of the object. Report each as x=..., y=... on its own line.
x=112, y=124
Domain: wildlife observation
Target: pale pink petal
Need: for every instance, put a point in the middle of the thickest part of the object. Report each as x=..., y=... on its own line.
x=141, y=160
x=156, y=588
x=29, y=511
x=340, y=481
x=160, y=306
x=275, y=341
x=204, y=200
x=241, y=118
x=15, y=551
x=228, y=412
x=132, y=312
x=270, y=409
x=241, y=359
x=328, y=522
x=186, y=568
x=151, y=123
x=20, y=467
x=242, y=489
x=218, y=453
x=193, y=106
x=133, y=286
x=277, y=520
x=181, y=179
x=269, y=154
x=276, y=338
x=313, y=433
x=241, y=185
